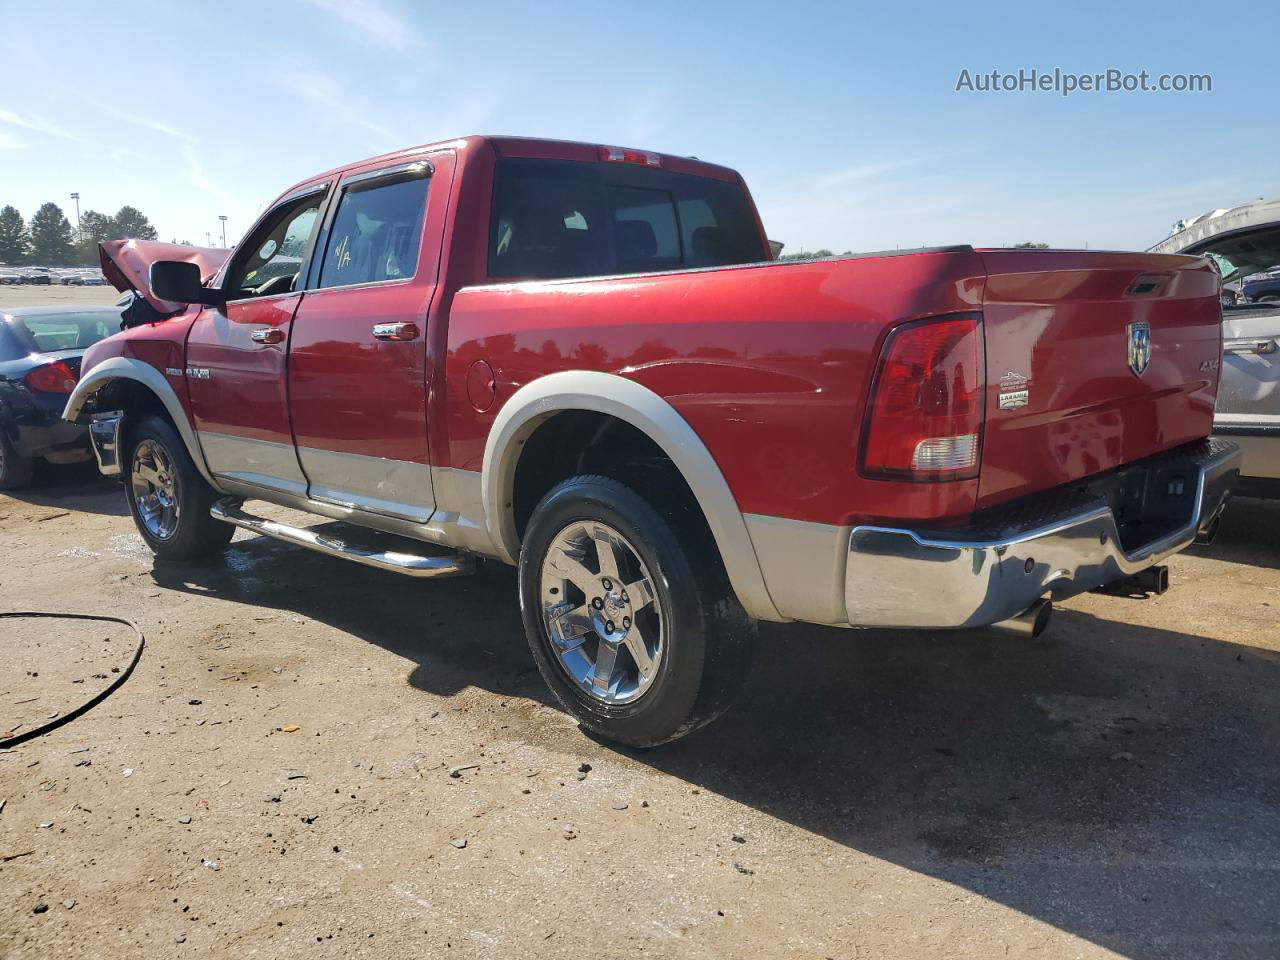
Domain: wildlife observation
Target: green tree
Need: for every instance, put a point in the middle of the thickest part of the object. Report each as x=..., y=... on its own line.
x=131, y=223
x=128, y=223
x=13, y=236
x=51, y=240
x=94, y=228
x=807, y=255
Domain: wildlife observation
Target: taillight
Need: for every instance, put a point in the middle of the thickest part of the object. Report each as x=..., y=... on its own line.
x=641, y=158
x=52, y=378
x=924, y=420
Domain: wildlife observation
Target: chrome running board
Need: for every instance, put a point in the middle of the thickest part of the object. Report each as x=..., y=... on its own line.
x=229, y=511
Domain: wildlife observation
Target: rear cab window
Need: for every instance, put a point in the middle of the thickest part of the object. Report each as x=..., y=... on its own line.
x=565, y=218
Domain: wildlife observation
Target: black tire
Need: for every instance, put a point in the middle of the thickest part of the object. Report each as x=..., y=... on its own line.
x=16, y=470
x=196, y=534
x=707, y=638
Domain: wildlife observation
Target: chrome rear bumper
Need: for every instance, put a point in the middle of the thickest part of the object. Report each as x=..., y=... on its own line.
x=953, y=579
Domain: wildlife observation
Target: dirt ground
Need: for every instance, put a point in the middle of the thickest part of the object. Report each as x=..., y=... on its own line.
x=1110, y=789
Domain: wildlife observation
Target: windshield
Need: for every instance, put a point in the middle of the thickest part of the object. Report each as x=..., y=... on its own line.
x=67, y=331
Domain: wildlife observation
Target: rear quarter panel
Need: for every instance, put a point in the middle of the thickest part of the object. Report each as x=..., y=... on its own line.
x=769, y=364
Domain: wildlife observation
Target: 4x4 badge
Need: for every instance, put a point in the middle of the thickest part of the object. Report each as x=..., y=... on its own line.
x=1139, y=346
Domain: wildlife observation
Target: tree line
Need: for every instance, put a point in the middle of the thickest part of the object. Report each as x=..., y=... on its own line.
x=48, y=239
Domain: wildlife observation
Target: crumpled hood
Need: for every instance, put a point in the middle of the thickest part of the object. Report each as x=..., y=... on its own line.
x=127, y=265
x=1247, y=237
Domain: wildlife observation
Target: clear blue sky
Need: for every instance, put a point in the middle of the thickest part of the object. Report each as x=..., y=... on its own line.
x=842, y=116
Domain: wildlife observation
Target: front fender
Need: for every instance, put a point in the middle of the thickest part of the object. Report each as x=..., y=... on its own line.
x=645, y=410
x=127, y=368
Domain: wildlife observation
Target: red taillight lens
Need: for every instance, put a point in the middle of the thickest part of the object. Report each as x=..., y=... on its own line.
x=641, y=158
x=924, y=421
x=52, y=378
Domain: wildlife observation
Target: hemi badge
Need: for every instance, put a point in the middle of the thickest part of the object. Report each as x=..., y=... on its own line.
x=173, y=371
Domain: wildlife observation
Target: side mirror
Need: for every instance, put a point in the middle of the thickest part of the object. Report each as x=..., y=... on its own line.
x=179, y=281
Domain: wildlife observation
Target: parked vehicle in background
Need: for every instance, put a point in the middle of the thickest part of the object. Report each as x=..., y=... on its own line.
x=1242, y=241
x=37, y=276
x=1265, y=289
x=582, y=361
x=40, y=353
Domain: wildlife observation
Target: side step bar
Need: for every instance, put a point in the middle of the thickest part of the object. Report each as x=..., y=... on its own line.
x=415, y=565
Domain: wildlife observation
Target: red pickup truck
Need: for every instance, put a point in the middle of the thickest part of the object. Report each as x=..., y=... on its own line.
x=581, y=360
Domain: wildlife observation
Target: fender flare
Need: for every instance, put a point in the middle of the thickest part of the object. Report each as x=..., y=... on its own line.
x=127, y=368
x=645, y=410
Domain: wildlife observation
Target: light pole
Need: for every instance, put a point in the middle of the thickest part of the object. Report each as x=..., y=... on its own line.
x=76, y=198
x=208, y=242
x=223, y=218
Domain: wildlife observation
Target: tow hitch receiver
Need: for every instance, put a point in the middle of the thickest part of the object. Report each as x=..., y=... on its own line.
x=1151, y=580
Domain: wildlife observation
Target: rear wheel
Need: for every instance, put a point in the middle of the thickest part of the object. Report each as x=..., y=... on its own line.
x=632, y=626
x=16, y=470
x=168, y=498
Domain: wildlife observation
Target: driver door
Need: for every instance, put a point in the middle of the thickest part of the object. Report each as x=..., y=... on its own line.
x=236, y=375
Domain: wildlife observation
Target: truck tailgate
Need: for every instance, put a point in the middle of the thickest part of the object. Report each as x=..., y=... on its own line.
x=1065, y=400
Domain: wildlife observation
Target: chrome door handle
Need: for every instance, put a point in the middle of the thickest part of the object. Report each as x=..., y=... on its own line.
x=267, y=335
x=396, y=331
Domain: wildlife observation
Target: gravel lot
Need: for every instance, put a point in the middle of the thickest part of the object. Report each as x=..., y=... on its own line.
x=1108, y=790
x=56, y=295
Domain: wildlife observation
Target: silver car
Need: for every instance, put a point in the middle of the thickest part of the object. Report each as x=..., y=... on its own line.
x=1243, y=241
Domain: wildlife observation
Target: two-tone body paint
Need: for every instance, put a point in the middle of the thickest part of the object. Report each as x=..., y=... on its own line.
x=769, y=364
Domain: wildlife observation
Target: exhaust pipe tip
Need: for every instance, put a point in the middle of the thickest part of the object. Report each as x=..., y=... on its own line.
x=1031, y=622
x=1209, y=533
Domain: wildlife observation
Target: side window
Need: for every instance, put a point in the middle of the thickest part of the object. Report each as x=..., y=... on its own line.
x=273, y=255
x=376, y=233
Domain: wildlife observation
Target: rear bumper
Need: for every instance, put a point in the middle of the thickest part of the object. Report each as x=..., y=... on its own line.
x=37, y=434
x=1259, y=445
x=980, y=576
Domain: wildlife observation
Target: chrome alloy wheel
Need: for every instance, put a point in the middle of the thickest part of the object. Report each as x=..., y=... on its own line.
x=155, y=489
x=600, y=611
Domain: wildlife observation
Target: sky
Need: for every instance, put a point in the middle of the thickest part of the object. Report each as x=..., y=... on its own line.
x=844, y=118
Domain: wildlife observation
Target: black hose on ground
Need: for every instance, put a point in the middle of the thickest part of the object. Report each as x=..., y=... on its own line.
x=98, y=697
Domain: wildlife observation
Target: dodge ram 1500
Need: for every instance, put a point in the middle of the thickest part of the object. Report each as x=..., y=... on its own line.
x=582, y=361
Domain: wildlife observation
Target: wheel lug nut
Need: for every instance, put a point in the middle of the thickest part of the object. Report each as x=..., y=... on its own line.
x=608, y=626
x=597, y=603
x=607, y=583
x=626, y=623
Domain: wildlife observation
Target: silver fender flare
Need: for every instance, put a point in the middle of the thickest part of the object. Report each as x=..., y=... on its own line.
x=646, y=411
x=127, y=368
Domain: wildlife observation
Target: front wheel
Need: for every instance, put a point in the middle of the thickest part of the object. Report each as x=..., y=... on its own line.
x=168, y=498
x=632, y=626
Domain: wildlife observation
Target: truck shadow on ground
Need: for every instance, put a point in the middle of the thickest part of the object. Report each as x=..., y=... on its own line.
x=1117, y=782
x=76, y=486
x=1250, y=533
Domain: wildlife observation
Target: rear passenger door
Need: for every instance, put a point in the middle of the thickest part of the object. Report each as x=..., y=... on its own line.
x=358, y=352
